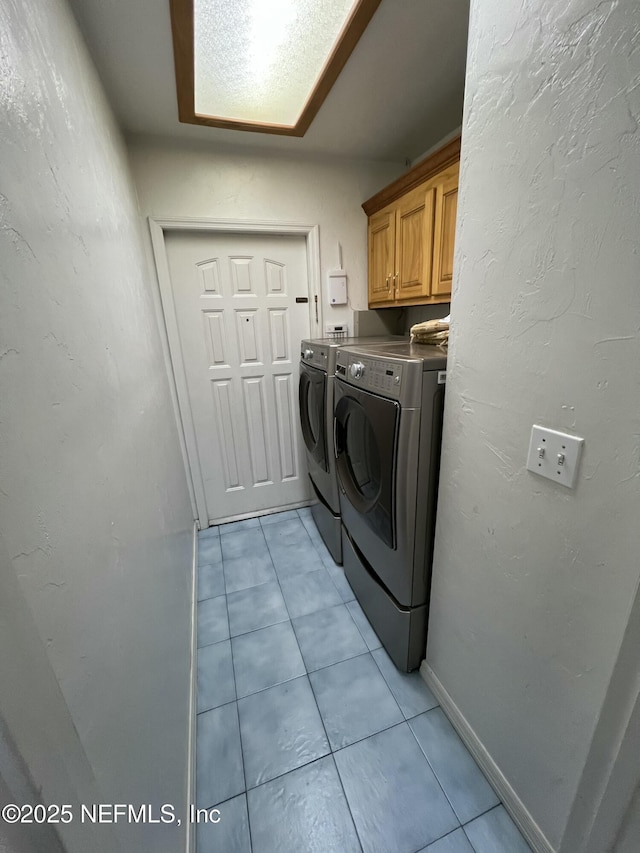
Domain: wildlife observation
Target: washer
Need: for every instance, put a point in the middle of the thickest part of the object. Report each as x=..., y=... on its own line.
x=317, y=368
x=389, y=402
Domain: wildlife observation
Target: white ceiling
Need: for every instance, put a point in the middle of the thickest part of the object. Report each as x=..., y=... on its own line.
x=400, y=92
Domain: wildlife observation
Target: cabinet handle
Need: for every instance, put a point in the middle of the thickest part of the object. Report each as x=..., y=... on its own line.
x=389, y=281
x=395, y=284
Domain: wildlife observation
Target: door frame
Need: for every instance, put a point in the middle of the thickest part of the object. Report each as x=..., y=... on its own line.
x=158, y=227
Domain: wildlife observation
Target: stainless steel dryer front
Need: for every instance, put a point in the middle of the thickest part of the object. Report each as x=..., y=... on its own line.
x=388, y=420
x=317, y=368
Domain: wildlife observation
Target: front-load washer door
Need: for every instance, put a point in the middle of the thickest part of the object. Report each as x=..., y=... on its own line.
x=366, y=428
x=312, y=393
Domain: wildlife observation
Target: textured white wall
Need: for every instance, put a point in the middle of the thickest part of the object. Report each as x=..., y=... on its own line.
x=42, y=759
x=630, y=832
x=533, y=583
x=192, y=180
x=94, y=509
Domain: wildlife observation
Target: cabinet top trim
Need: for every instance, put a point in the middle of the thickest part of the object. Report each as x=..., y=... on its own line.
x=427, y=168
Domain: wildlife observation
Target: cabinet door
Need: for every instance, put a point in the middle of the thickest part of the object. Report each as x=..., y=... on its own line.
x=381, y=255
x=414, y=243
x=444, y=236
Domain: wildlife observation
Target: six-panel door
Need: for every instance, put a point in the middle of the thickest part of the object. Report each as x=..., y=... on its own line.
x=240, y=326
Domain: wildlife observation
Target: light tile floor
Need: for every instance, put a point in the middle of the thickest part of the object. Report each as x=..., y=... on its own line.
x=309, y=738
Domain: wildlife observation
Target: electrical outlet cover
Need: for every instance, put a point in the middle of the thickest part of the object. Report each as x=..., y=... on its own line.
x=554, y=455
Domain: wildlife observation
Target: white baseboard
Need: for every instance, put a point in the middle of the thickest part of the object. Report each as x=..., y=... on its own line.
x=512, y=803
x=190, y=843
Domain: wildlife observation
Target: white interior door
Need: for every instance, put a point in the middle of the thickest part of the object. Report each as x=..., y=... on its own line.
x=241, y=306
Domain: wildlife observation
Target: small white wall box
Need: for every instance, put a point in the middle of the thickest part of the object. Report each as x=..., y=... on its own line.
x=554, y=455
x=337, y=287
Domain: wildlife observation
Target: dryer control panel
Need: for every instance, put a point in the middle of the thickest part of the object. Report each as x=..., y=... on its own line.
x=372, y=374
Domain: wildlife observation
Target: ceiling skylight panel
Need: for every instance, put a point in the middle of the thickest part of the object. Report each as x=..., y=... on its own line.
x=259, y=60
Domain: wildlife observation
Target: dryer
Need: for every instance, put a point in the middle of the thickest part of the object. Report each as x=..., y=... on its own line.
x=315, y=391
x=388, y=410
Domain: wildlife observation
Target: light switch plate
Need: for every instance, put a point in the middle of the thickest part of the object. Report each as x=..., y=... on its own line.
x=554, y=455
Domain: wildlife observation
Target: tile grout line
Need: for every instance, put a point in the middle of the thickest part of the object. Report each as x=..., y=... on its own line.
x=468, y=839
x=306, y=670
x=288, y=680
x=346, y=799
x=315, y=699
x=235, y=701
x=235, y=686
x=318, y=552
x=309, y=764
x=210, y=598
x=332, y=753
x=351, y=657
x=373, y=734
x=266, y=688
x=246, y=791
x=286, y=606
x=215, y=642
x=253, y=630
x=253, y=586
x=467, y=822
x=211, y=566
x=386, y=728
x=346, y=604
x=404, y=716
x=341, y=604
x=435, y=775
x=482, y=814
x=446, y=835
x=215, y=708
x=290, y=620
x=413, y=716
x=235, y=689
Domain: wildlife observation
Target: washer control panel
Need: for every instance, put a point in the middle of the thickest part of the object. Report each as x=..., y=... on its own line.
x=380, y=376
x=316, y=355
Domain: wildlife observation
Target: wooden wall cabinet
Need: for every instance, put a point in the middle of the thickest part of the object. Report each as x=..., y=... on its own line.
x=411, y=234
x=444, y=233
x=382, y=259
